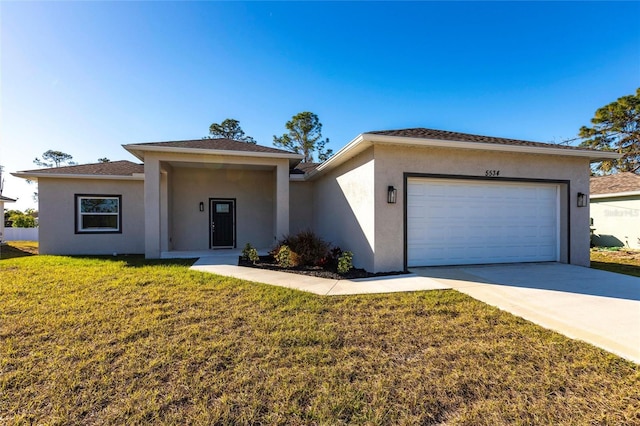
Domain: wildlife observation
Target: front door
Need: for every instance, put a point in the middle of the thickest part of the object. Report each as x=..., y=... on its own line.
x=222, y=223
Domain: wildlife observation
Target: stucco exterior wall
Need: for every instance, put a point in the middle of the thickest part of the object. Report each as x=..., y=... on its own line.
x=301, y=211
x=616, y=221
x=344, y=206
x=392, y=161
x=252, y=190
x=56, y=214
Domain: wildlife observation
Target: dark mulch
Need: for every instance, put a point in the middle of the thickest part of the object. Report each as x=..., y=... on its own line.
x=329, y=271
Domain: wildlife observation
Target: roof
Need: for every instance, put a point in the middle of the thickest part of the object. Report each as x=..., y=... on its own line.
x=619, y=183
x=109, y=169
x=444, y=135
x=214, y=144
x=6, y=199
x=422, y=137
x=117, y=168
x=303, y=168
x=221, y=147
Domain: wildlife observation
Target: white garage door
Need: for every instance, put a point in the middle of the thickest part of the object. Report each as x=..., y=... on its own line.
x=463, y=222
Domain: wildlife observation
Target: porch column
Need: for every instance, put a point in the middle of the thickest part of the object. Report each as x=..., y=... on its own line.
x=151, y=208
x=281, y=227
x=164, y=209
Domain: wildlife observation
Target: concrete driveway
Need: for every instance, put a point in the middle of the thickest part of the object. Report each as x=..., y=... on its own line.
x=598, y=307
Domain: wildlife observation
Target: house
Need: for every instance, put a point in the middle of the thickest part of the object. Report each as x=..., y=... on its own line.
x=396, y=199
x=615, y=210
x=3, y=200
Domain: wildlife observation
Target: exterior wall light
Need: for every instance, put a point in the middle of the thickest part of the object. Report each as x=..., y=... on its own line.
x=392, y=195
x=582, y=199
x=201, y=206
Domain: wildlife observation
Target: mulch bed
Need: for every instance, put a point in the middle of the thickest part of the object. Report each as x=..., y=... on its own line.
x=268, y=262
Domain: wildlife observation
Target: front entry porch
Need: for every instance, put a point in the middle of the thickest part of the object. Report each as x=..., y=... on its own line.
x=194, y=204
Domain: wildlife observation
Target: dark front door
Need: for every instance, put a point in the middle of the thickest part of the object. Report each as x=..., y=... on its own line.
x=222, y=223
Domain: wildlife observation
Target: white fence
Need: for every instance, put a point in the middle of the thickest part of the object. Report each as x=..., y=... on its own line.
x=20, y=234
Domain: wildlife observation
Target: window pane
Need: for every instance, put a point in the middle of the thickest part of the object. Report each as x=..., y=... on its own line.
x=222, y=208
x=90, y=221
x=99, y=205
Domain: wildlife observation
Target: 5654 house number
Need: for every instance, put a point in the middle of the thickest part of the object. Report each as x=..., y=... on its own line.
x=492, y=173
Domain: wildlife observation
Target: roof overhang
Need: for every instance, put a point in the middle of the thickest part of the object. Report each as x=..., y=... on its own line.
x=7, y=200
x=138, y=150
x=365, y=140
x=615, y=195
x=34, y=176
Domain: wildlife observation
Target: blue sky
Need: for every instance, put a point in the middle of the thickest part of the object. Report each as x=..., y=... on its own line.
x=86, y=77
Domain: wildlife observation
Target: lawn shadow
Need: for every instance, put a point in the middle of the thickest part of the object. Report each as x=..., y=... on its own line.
x=138, y=260
x=9, y=252
x=620, y=268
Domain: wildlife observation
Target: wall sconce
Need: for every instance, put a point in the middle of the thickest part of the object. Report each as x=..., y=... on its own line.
x=392, y=195
x=201, y=206
x=582, y=199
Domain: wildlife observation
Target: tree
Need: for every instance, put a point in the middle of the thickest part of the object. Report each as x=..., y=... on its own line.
x=304, y=137
x=103, y=160
x=229, y=129
x=53, y=158
x=19, y=219
x=616, y=127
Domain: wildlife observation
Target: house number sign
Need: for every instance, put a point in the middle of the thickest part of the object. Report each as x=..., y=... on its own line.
x=492, y=173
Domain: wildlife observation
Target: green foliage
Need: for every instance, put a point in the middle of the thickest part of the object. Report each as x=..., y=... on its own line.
x=304, y=137
x=249, y=253
x=616, y=127
x=285, y=257
x=20, y=219
x=53, y=158
x=229, y=129
x=103, y=160
x=310, y=248
x=345, y=262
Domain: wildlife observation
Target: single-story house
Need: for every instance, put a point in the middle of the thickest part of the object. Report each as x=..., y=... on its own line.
x=615, y=210
x=3, y=200
x=396, y=199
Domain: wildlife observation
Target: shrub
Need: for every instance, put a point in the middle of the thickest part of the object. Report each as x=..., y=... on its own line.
x=345, y=262
x=285, y=257
x=250, y=253
x=310, y=248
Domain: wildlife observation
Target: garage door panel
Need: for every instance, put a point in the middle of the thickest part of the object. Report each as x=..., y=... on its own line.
x=469, y=222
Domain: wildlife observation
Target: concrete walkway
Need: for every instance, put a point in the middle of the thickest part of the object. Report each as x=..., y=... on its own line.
x=226, y=265
x=598, y=307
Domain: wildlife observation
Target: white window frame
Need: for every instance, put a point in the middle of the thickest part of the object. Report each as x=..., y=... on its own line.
x=79, y=214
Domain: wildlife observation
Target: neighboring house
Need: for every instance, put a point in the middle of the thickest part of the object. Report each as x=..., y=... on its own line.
x=615, y=210
x=2, y=201
x=396, y=199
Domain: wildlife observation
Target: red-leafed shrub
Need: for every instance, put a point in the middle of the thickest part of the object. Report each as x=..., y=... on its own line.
x=310, y=248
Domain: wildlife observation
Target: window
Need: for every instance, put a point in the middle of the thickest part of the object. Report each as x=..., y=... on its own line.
x=98, y=214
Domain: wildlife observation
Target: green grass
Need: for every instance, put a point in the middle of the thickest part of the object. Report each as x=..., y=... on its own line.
x=125, y=341
x=617, y=259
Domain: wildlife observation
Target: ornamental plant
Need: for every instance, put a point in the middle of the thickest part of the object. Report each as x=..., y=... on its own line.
x=286, y=258
x=310, y=248
x=249, y=253
x=345, y=262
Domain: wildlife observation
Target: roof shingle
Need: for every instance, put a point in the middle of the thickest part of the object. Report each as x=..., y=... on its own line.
x=216, y=144
x=111, y=168
x=613, y=184
x=423, y=133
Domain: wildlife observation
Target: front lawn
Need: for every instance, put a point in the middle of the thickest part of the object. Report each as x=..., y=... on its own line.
x=621, y=260
x=126, y=341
